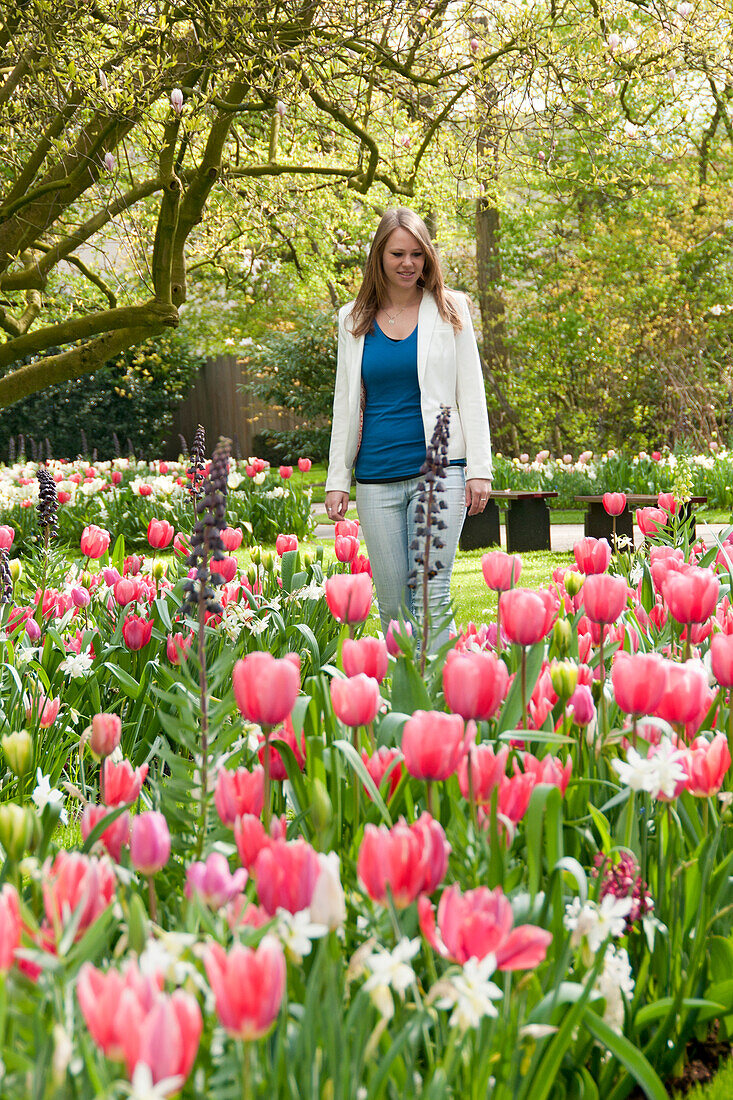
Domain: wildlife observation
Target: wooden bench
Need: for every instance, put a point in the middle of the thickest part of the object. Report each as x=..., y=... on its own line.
x=527, y=522
x=599, y=525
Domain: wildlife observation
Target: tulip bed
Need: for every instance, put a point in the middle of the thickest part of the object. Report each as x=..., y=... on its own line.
x=252, y=852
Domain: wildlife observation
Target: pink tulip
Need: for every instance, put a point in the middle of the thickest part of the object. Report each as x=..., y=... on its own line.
x=478, y=923
x=285, y=472
x=581, y=705
x=614, y=503
x=487, y=771
x=356, y=700
x=526, y=615
x=378, y=764
x=150, y=842
x=121, y=784
x=76, y=884
x=346, y=527
x=266, y=687
x=604, y=597
x=721, y=654
x=115, y=837
x=706, y=764
x=239, y=792
x=94, y=541
x=345, y=547
x=248, y=986
x=667, y=502
x=231, y=538
x=396, y=858
x=251, y=838
x=515, y=792
x=691, y=596
x=42, y=709
x=361, y=564
x=105, y=735
x=436, y=851
x=501, y=571
x=396, y=630
x=367, y=655
x=685, y=692
x=592, y=555
x=224, y=570
x=213, y=882
x=177, y=647
x=651, y=521
x=638, y=681
x=160, y=533
x=80, y=596
x=166, y=1039
x=285, y=873
x=10, y=926
x=106, y=999
x=304, y=465
x=7, y=534
x=285, y=733
x=474, y=684
x=284, y=543
x=137, y=631
x=349, y=596
x=548, y=769
x=433, y=744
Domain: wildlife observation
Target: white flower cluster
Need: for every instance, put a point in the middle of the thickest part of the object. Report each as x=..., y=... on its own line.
x=659, y=773
x=591, y=923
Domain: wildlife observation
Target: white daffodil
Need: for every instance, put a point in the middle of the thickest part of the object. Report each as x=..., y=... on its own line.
x=595, y=923
x=390, y=970
x=45, y=794
x=470, y=993
x=659, y=773
x=297, y=931
x=142, y=1087
x=76, y=665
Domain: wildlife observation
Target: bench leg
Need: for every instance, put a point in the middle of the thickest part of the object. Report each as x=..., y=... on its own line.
x=527, y=525
x=483, y=530
x=599, y=525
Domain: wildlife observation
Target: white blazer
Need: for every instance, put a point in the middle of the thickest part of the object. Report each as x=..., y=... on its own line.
x=449, y=373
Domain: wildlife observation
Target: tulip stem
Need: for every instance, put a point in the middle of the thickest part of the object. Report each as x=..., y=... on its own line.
x=471, y=794
x=687, y=653
x=602, y=699
x=246, y=1072
x=431, y=807
x=152, y=899
x=498, y=623
x=267, y=809
x=524, y=687
x=730, y=721
x=357, y=781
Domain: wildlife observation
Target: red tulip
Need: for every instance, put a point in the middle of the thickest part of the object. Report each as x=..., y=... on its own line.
x=239, y=792
x=94, y=541
x=378, y=764
x=160, y=533
x=231, y=538
x=706, y=764
x=501, y=571
x=526, y=615
x=284, y=543
x=250, y=836
x=145, y=490
x=115, y=836
x=592, y=555
x=650, y=521
x=614, y=503
x=248, y=986
x=105, y=735
x=182, y=545
x=367, y=655
x=604, y=597
x=120, y=783
x=150, y=842
x=487, y=771
x=76, y=884
x=433, y=744
x=224, y=570
x=474, y=684
x=285, y=873
x=10, y=926
x=266, y=687
x=355, y=700
x=137, y=631
x=361, y=564
x=478, y=923
x=638, y=681
x=721, y=654
x=177, y=647
x=286, y=472
x=691, y=596
x=7, y=534
x=345, y=547
x=347, y=527
x=349, y=596
x=304, y=465
x=395, y=858
x=284, y=733
x=685, y=692
x=667, y=502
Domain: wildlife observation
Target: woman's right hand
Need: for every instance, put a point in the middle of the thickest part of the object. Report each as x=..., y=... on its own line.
x=337, y=505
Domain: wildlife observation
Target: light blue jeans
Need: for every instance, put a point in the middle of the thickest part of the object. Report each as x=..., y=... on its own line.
x=387, y=517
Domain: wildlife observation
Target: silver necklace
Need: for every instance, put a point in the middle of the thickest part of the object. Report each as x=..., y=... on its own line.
x=391, y=320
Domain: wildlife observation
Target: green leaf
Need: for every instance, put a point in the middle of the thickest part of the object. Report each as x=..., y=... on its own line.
x=511, y=712
x=130, y=687
x=409, y=692
x=353, y=758
x=627, y=1054
x=544, y=737
x=287, y=569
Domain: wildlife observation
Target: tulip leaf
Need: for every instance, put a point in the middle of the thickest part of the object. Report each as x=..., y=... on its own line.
x=131, y=688
x=389, y=730
x=352, y=756
x=118, y=554
x=627, y=1054
x=295, y=778
x=511, y=712
x=311, y=642
x=545, y=737
x=409, y=692
x=287, y=569
x=161, y=606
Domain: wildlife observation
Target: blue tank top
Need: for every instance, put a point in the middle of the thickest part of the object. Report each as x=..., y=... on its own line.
x=393, y=438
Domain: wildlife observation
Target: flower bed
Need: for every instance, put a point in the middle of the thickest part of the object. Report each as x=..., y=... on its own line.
x=298, y=861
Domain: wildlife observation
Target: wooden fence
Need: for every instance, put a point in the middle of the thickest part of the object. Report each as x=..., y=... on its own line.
x=218, y=402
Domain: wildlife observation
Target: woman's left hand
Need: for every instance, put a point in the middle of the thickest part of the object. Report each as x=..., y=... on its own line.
x=477, y=495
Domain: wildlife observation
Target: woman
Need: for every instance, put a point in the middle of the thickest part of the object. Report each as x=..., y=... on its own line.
x=406, y=346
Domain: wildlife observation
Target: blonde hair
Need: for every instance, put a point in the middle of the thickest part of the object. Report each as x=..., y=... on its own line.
x=373, y=292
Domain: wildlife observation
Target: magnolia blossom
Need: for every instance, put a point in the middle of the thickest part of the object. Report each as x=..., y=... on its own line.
x=470, y=993
x=390, y=970
x=594, y=923
x=660, y=773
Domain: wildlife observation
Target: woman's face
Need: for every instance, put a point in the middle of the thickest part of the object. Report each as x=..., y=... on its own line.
x=403, y=260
